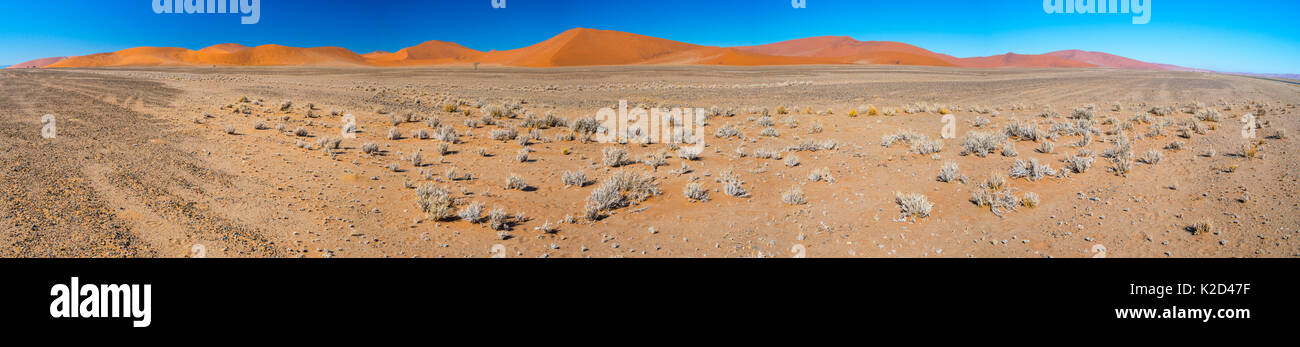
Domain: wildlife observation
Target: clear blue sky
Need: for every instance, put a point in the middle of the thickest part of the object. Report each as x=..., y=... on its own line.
x=1238, y=36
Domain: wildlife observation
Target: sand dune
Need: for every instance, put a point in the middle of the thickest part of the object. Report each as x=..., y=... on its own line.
x=850, y=51
x=38, y=63
x=1021, y=60
x=223, y=54
x=592, y=47
x=428, y=53
x=1105, y=60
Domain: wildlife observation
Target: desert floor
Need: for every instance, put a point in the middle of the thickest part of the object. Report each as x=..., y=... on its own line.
x=142, y=164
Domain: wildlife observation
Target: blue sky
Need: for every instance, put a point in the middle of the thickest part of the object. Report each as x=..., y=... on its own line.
x=1239, y=36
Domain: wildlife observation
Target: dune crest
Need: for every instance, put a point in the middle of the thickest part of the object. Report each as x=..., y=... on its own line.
x=38, y=63
x=591, y=47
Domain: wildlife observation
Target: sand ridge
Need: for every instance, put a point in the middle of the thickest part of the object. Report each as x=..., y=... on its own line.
x=594, y=47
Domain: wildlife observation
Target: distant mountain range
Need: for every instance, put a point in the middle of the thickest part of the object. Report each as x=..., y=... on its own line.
x=590, y=47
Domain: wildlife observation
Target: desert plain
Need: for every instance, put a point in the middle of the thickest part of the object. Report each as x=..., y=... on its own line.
x=809, y=160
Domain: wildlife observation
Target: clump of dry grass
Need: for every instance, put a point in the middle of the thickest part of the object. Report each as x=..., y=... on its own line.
x=1078, y=163
x=1046, y=147
x=446, y=133
x=927, y=147
x=614, y=156
x=370, y=148
x=732, y=185
x=503, y=134
x=792, y=161
x=907, y=136
x=1031, y=170
x=655, y=160
x=394, y=134
x=1250, y=151
x=522, y=155
x=689, y=153
x=948, y=172
x=1202, y=227
x=435, y=201
x=421, y=134
x=1030, y=200
x=329, y=143
x=765, y=153
x=1278, y=134
x=912, y=206
x=695, y=191
x=416, y=159
x=822, y=174
x=622, y=189
x=727, y=130
x=300, y=132
x=1009, y=150
x=996, y=195
x=794, y=196
x=472, y=213
x=1208, y=115
x=574, y=178
x=982, y=143
x=230, y=130
x=515, y=182
x=1151, y=157
x=498, y=219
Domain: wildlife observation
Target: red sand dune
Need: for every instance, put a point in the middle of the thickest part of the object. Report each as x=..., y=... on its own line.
x=1105, y=60
x=428, y=53
x=855, y=52
x=587, y=47
x=38, y=63
x=584, y=47
x=1021, y=60
x=223, y=54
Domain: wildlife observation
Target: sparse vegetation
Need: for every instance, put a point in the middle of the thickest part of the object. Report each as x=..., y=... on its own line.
x=1249, y=151
x=614, y=156
x=948, y=172
x=436, y=202
x=1202, y=227
x=695, y=191
x=1030, y=200
x=370, y=148
x=982, y=143
x=794, y=196
x=1151, y=157
x=1078, y=163
x=515, y=182
x=574, y=178
x=1031, y=170
x=472, y=213
x=498, y=219
x=732, y=185
x=913, y=206
x=1046, y=147
x=822, y=174
x=621, y=189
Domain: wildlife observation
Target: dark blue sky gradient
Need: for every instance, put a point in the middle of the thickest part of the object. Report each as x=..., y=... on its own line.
x=1242, y=36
